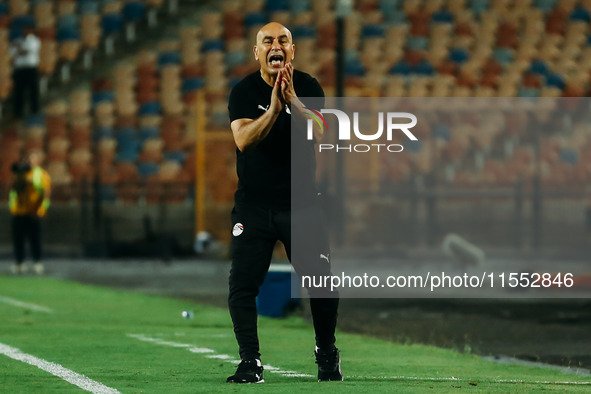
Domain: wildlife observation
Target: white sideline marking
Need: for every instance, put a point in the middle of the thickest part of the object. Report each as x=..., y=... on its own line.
x=68, y=375
x=468, y=380
x=26, y=305
x=223, y=357
x=201, y=350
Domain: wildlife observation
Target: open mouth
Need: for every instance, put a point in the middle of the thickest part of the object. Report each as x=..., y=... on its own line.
x=276, y=60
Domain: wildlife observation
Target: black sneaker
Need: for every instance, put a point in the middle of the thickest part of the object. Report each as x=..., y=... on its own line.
x=249, y=371
x=329, y=365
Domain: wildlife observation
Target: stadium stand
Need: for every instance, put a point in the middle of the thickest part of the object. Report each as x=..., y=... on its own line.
x=136, y=122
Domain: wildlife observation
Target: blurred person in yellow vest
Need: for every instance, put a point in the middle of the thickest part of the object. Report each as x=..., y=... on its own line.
x=29, y=200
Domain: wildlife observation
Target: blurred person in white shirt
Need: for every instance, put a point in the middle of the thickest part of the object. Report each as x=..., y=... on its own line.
x=25, y=61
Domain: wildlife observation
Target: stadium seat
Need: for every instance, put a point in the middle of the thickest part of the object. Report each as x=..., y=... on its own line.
x=147, y=169
x=299, y=6
x=277, y=5
x=254, y=19
x=176, y=156
x=479, y=6
x=213, y=45
x=424, y=67
x=150, y=108
x=111, y=24
x=458, y=55
x=539, y=67
x=133, y=11
x=89, y=7
x=580, y=13
x=167, y=58
x=442, y=16
x=146, y=133
x=555, y=80
x=417, y=43
x=545, y=5
x=18, y=24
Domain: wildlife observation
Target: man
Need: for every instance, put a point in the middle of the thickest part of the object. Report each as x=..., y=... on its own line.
x=28, y=202
x=261, y=107
x=25, y=54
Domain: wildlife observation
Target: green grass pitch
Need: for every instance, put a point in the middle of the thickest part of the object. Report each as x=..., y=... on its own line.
x=94, y=331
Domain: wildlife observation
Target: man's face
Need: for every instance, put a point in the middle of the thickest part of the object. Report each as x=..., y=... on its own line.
x=35, y=159
x=274, y=48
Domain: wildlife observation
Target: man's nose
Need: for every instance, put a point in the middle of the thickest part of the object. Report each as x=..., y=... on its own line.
x=275, y=44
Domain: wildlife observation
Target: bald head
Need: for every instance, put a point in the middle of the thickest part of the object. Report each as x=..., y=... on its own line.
x=274, y=49
x=273, y=27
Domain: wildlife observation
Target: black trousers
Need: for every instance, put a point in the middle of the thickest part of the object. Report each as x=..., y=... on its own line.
x=26, y=227
x=26, y=83
x=256, y=230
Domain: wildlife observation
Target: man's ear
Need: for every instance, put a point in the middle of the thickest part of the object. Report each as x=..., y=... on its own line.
x=292, y=51
x=255, y=50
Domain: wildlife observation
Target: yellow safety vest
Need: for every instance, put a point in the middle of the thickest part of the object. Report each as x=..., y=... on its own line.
x=34, y=199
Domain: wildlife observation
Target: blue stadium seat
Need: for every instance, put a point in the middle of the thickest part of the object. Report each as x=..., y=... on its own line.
x=503, y=55
x=66, y=34
x=3, y=8
x=424, y=67
x=68, y=28
x=147, y=169
x=125, y=135
x=35, y=120
x=178, y=156
x=133, y=11
x=150, y=108
x=580, y=13
x=277, y=5
x=102, y=133
x=68, y=21
x=254, y=19
x=234, y=58
x=192, y=84
x=104, y=95
x=400, y=68
x=351, y=55
x=111, y=24
x=396, y=18
x=166, y=58
x=545, y=5
x=372, y=31
x=354, y=68
x=413, y=146
x=442, y=16
x=297, y=6
x=555, y=80
x=528, y=92
x=146, y=133
x=417, y=43
x=303, y=31
x=18, y=25
x=213, y=45
x=89, y=7
x=458, y=55
x=569, y=156
x=478, y=6
x=128, y=144
x=538, y=67
x=389, y=6
x=442, y=132
x=127, y=155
